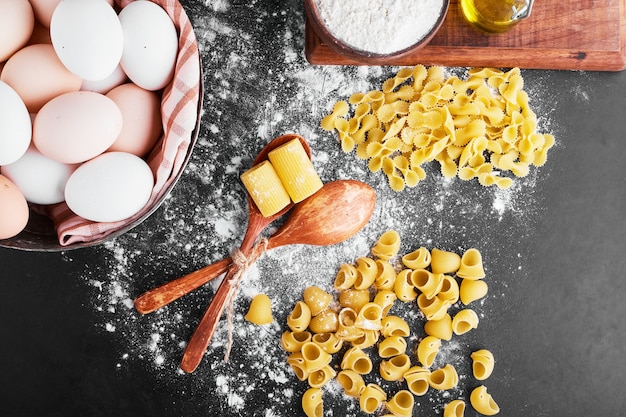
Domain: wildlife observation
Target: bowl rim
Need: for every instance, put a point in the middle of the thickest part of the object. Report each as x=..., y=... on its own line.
x=313, y=17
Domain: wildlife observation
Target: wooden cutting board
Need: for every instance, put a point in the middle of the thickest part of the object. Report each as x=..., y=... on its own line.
x=566, y=35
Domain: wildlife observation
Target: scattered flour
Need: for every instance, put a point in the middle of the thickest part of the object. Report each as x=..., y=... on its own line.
x=205, y=217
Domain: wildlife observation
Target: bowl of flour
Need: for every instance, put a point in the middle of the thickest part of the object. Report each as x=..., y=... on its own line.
x=373, y=31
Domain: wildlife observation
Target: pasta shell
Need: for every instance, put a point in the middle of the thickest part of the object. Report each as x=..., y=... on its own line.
x=401, y=404
x=482, y=364
x=471, y=265
x=312, y=403
x=351, y=382
x=455, y=408
x=444, y=262
x=417, y=379
x=482, y=401
x=317, y=299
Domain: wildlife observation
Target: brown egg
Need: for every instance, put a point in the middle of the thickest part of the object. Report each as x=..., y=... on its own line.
x=38, y=76
x=141, y=113
x=16, y=25
x=13, y=209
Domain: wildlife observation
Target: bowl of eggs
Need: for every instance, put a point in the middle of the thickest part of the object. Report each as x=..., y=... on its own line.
x=100, y=107
x=375, y=31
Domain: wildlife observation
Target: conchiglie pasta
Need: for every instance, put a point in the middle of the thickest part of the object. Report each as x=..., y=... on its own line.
x=418, y=259
x=329, y=342
x=293, y=341
x=426, y=282
x=371, y=398
x=385, y=299
x=472, y=290
x=455, y=408
x=354, y=299
x=317, y=299
x=449, y=291
x=312, y=402
x=394, y=368
x=346, y=329
x=357, y=360
x=260, y=311
x=346, y=276
x=403, y=287
x=391, y=346
x=417, y=380
x=433, y=308
x=369, y=338
x=386, y=276
x=464, y=321
x=441, y=328
x=387, y=246
x=320, y=377
x=314, y=357
x=369, y=317
x=298, y=366
x=483, y=402
x=367, y=270
x=395, y=326
x=471, y=265
x=444, y=378
x=401, y=404
x=444, y=262
x=427, y=350
x=352, y=382
x=482, y=364
x=300, y=317
x=324, y=322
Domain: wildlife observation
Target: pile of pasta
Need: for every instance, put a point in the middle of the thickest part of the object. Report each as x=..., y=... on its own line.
x=322, y=328
x=479, y=127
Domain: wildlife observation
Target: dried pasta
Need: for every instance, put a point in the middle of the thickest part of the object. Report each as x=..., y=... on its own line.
x=371, y=398
x=394, y=368
x=482, y=364
x=357, y=360
x=300, y=317
x=455, y=408
x=482, y=121
x=329, y=342
x=401, y=404
x=427, y=350
x=441, y=328
x=361, y=327
x=295, y=170
x=352, y=382
x=417, y=379
x=472, y=290
x=317, y=299
x=293, y=341
x=387, y=246
x=260, y=310
x=312, y=402
x=464, y=321
x=265, y=188
x=483, y=402
x=391, y=346
x=314, y=357
x=444, y=378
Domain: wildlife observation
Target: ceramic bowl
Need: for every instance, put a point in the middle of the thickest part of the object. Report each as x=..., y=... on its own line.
x=340, y=46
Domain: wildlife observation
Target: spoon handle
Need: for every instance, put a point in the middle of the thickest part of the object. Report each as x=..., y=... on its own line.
x=203, y=334
x=160, y=296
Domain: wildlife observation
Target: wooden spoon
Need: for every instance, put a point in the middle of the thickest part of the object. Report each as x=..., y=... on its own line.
x=166, y=293
x=333, y=214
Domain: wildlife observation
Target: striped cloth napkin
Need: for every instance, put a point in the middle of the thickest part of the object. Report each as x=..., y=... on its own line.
x=180, y=113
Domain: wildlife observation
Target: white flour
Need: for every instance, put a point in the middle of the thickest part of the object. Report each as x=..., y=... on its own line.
x=380, y=26
x=205, y=217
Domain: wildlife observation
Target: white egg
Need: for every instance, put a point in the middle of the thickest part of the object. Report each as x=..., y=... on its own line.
x=110, y=187
x=150, y=45
x=41, y=179
x=15, y=125
x=116, y=78
x=87, y=36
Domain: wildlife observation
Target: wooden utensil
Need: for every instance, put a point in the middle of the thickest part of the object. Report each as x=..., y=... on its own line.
x=333, y=214
x=166, y=293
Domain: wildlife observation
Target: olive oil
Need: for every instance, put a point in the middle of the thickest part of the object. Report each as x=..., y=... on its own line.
x=495, y=16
